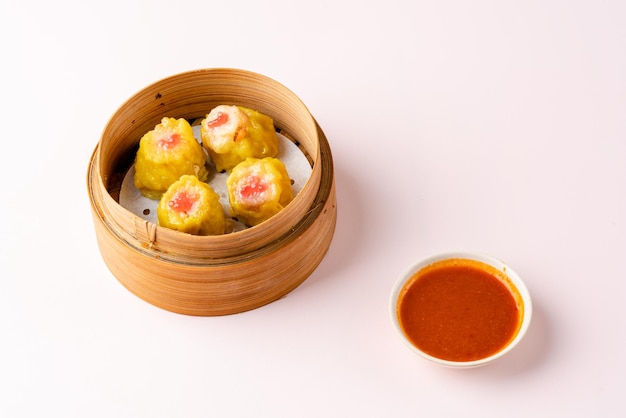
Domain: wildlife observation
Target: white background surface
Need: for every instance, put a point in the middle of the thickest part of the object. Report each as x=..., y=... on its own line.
x=496, y=126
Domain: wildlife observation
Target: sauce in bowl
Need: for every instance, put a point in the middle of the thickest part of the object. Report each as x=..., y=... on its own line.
x=459, y=310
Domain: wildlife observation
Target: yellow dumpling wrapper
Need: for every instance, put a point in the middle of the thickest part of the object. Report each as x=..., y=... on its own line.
x=231, y=134
x=258, y=189
x=191, y=206
x=165, y=154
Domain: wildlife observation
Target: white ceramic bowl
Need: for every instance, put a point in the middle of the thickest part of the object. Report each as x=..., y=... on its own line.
x=514, y=280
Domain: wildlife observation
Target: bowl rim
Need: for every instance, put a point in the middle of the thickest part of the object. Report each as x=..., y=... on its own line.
x=515, y=279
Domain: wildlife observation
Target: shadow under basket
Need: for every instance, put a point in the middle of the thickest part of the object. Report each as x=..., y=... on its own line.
x=222, y=274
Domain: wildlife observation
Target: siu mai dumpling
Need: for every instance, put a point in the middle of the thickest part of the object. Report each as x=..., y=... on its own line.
x=258, y=189
x=191, y=206
x=165, y=154
x=231, y=134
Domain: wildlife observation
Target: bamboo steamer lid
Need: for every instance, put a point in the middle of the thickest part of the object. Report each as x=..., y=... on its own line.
x=212, y=275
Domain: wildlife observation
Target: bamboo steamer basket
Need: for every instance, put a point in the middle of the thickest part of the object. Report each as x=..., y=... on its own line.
x=212, y=275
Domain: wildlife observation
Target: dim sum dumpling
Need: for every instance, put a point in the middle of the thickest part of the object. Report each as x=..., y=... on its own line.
x=231, y=134
x=191, y=206
x=258, y=189
x=165, y=154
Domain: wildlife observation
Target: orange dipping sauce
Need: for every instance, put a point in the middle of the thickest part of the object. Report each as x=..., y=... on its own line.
x=459, y=310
